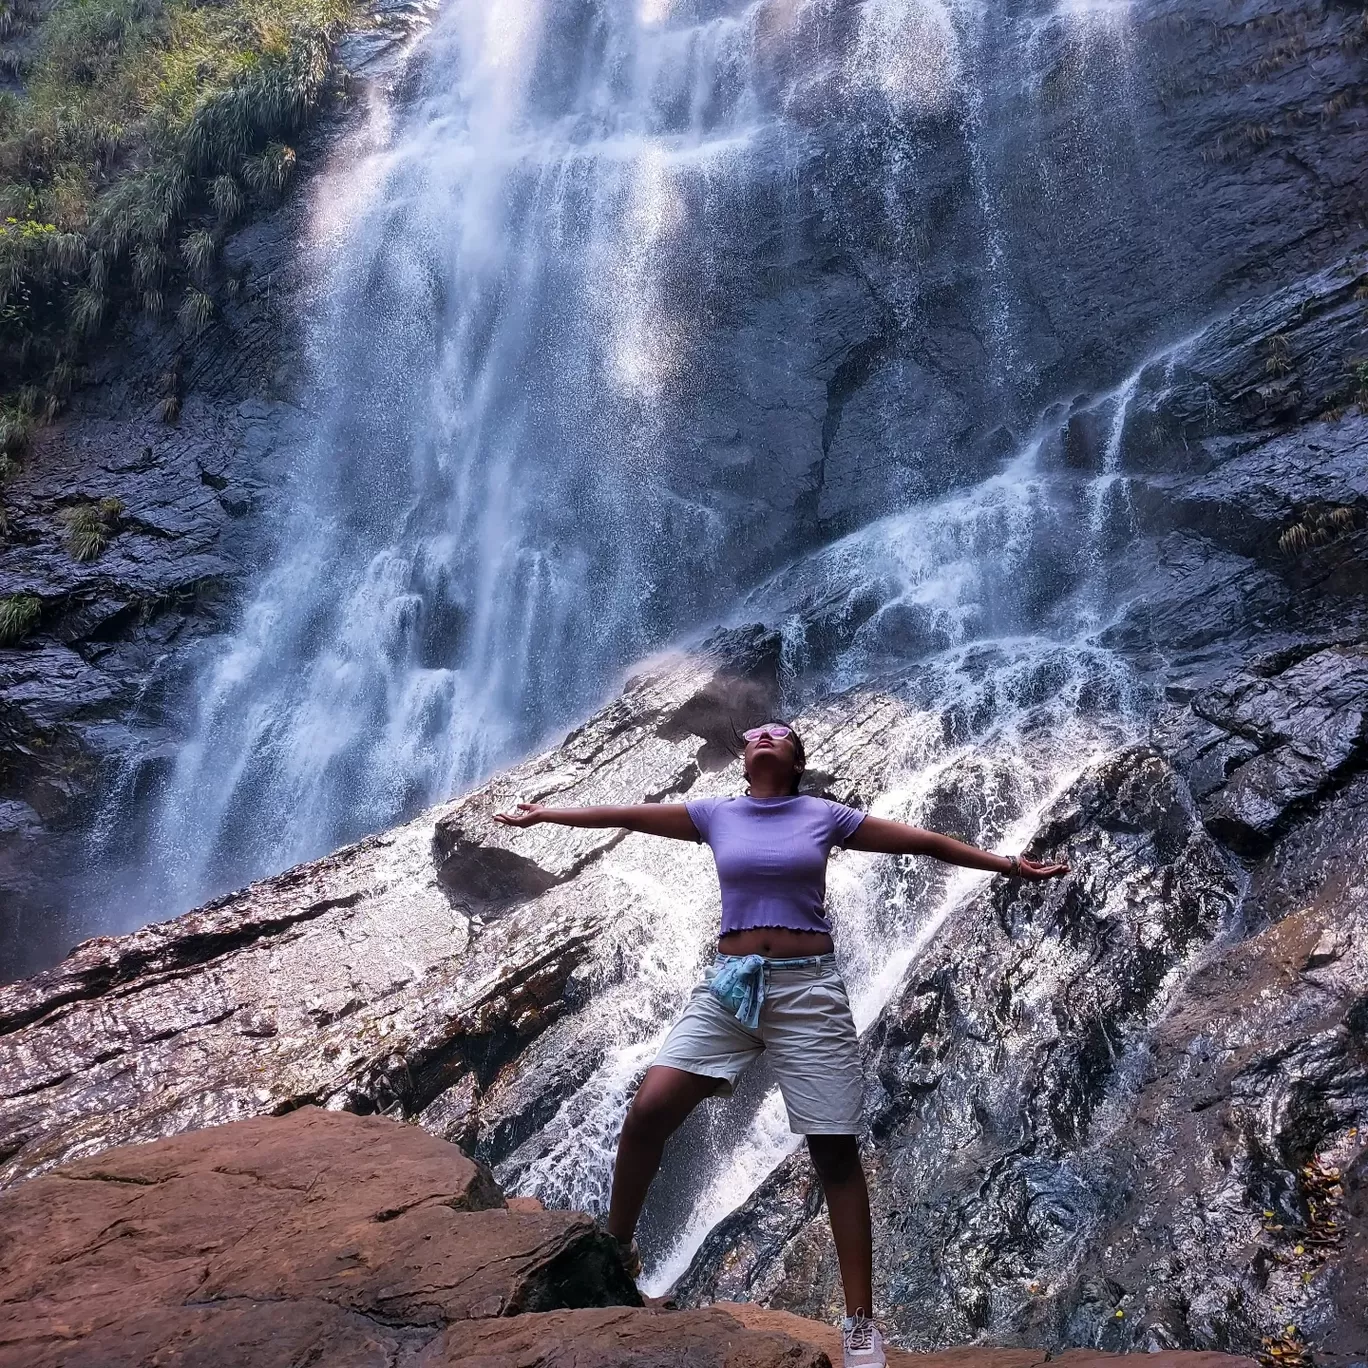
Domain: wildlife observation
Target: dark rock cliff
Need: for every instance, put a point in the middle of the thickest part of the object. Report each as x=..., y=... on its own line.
x=1005, y=218
x=1129, y=1110
x=1126, y=1110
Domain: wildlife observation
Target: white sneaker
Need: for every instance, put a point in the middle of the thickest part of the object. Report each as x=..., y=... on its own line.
x=861, y=1343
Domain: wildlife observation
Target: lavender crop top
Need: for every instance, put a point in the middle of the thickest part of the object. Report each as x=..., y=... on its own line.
x=771, y=856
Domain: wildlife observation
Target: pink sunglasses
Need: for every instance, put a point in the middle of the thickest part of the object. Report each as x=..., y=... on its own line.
x=775, y=732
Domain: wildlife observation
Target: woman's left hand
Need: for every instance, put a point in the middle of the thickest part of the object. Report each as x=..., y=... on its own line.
x=1037, y=869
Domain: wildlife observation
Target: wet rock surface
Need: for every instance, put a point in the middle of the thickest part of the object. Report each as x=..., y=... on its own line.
x=1085, y=1096
x=1126, y=1111
x=1130, y=1109
x=379, y=978
x=1261, y=748
x=989, y=1067
x=187, y=491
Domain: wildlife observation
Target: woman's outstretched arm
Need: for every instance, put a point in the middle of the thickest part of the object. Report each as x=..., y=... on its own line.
x=655, y=819
x=898, y=838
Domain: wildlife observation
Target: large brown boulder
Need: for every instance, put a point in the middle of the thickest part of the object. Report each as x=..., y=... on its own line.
x=624, y=1338
x=727, y=1335
x=247, y=1243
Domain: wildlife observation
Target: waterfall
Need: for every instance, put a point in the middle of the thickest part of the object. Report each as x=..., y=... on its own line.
x=574, y=401
x=489, y=523
x=541, y=446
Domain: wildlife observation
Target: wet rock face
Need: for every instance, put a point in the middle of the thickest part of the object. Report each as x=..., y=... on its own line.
x=1084, y=1096
x=188, y=491
x=193, y=439
x=1261, y=748
x=381, y=978
x=1129, y=1109
x=989, y=1067
x=1244, y=523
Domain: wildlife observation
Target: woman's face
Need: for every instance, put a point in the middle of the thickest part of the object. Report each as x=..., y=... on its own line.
x=772, y=751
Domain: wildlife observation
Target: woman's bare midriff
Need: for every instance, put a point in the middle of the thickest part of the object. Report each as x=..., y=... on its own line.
x=776, y=942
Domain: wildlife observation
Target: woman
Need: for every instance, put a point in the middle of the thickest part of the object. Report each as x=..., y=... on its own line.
x=773, y=987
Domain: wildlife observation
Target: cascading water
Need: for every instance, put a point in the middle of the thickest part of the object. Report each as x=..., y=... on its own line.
x=528, y=343
x=487, y=525
x=982, y=731
x=526, y=340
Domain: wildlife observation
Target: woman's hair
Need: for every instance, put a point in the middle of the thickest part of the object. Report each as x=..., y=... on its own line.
x=799, y=753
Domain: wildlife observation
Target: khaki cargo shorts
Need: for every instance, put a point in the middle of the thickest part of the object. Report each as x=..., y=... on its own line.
x=807, y=1031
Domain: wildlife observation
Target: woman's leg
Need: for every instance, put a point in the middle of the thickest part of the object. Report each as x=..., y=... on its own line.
x=664, y=1100
x=837, y=1161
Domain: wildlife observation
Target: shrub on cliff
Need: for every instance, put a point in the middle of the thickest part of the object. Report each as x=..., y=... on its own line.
x=88, y=527
x=141, y=130
x=18, y=614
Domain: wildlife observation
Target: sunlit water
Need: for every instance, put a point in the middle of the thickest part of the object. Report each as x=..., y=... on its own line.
x=517, y=278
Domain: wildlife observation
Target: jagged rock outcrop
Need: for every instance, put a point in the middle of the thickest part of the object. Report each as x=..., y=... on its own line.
x=1130, y=1109
x=396, y=975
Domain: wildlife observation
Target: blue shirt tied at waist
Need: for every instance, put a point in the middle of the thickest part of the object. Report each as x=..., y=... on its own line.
x=740, y=982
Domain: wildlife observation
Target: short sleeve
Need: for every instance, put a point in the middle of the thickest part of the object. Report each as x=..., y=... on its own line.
x=700, y=812
x=845, y=821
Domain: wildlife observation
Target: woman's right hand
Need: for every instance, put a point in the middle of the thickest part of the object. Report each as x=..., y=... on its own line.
x=526, y=815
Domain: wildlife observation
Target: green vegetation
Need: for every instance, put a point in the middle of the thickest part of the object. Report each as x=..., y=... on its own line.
x=1358, y=384
x=88, y=527
x=1318, y=527
x=144, y=129
x=18, y=614
x=1277, y=362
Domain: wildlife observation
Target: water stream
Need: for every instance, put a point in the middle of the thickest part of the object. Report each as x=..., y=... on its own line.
x=571, y=407
x=542, y=441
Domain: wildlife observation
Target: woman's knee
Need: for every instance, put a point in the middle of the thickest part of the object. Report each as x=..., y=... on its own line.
x=653, y=1116
x=835, y=1157
x=664, y=1101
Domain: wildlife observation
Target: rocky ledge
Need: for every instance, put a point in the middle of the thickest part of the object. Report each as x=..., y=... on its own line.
x=325, y=1237
x=1129, y=1109
x=1122, y=1110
